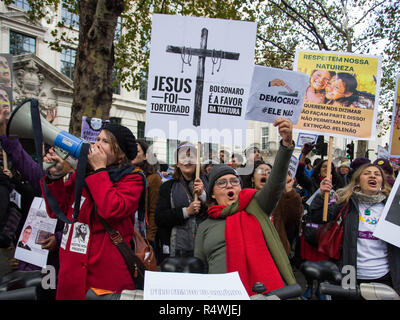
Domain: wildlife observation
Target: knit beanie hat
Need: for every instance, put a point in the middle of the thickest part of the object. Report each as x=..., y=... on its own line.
x=216, y=172
x=344, y=164
x=125, y=138
x=184, y=147
x=358, y=162
x=385, y=164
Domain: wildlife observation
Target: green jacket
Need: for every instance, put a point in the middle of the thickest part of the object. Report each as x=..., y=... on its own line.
x=210, y=239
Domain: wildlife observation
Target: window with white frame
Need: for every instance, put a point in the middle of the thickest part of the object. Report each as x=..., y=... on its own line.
x=22, y=4
x=68, y=61
x=264, y=138
x=68, y=16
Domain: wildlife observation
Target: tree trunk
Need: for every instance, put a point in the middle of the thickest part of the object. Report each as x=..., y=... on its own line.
x=94, y=61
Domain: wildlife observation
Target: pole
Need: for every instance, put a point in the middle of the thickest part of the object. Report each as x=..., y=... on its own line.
x=196, y=197
x=5, y=164
x=328, y=172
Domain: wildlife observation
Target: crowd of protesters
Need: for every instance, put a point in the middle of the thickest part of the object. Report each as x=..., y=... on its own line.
x=251, y=223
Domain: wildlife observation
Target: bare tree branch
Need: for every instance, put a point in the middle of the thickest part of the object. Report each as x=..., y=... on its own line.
x=310, y=25
x=367, y=12
x=330, y=20
x=274, y=44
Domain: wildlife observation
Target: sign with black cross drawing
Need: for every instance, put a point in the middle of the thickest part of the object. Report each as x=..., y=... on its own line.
x=199, y=78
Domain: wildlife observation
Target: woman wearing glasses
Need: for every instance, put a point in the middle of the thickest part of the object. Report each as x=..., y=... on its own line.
x=238, y=235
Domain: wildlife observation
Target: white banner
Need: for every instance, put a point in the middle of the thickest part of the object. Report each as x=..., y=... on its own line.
x=193, y=286
x=199, y=79
x=276, y=93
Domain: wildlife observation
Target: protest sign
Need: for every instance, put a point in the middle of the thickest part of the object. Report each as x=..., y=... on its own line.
x=91, y=128
x=276, y=93
x=382, y=153
x=394, y=144
x=388, y=227
x=293, y=164
x=343, y=94
x=37, y=227
x=193, y=286
x=303, y=138
x=199, y=79
x=15, y=197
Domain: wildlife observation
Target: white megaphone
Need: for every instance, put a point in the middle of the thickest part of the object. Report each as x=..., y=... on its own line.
x=19, y=125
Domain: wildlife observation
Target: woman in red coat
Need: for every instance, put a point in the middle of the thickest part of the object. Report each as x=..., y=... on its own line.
x=88, y=258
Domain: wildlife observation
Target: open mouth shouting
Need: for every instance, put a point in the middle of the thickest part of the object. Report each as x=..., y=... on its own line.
x=231, y=195
x=372, y=183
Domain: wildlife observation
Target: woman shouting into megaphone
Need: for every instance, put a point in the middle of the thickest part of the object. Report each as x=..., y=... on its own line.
x=112, y=191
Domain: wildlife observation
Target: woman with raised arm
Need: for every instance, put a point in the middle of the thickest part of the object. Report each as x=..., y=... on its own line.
x=238, y=234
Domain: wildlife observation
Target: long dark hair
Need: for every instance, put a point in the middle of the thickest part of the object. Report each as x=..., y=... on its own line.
x=335, y=178
x=145, y=165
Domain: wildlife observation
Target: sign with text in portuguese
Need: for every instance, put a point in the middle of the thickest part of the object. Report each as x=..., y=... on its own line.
x=199, y=78
x=342, y=95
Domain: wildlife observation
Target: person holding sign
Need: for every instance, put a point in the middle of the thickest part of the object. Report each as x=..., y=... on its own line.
x=112, y=190
x=374, y=260
x=238, y=235
x=178, y=212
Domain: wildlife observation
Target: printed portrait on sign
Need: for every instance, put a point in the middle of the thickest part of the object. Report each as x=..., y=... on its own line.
x=342, y=93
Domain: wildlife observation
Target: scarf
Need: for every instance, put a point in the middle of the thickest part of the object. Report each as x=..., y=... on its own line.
x=369, y=199
x=246, y=249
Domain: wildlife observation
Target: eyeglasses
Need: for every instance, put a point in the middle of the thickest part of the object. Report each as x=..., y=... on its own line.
x=224, y=182
x=261, y=171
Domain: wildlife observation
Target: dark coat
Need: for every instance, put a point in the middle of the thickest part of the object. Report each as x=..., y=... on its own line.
x=167, y=217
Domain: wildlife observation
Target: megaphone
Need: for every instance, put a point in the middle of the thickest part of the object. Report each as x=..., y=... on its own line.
x=20, y=126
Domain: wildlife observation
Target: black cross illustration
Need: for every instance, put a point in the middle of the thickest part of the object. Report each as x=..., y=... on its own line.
x=202, y=53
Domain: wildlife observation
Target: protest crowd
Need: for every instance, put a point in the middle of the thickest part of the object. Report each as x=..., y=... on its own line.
x=258, y=224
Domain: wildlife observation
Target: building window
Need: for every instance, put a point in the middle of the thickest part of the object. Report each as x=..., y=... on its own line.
x=264, y=138
x=172, y=145
x=115, y=82
x=115, y=120
x=143, y=89
x=68, y=62
x=140, y=129
x=20, y=43
x=68, y=16
x=140, y=133
x=22, y=4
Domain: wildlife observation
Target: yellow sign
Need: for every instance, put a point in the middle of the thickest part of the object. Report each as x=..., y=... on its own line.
x=342, y=95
